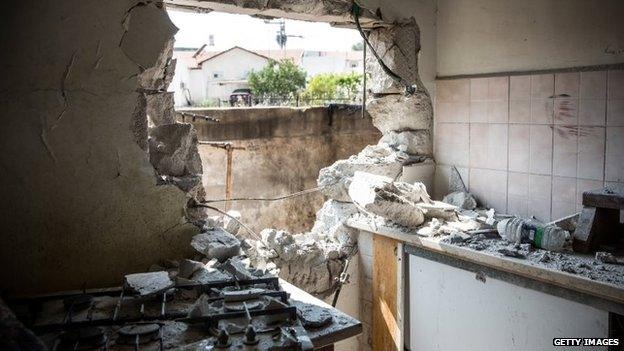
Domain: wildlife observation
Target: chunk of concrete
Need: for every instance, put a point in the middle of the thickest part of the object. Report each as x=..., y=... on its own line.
x=188, y=267
x=415, y=142
x=216, y=243
x=395, y=201
x=148, y=283
x=238, y=268
x=232, y=225
x=160, y=108
x=401, y=112
x=374, y=159
x=331, y=222
x=461, y=199
x=190, y=184
x=173, y=150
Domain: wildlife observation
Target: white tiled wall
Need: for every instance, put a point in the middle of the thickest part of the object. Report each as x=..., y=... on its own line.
x=530, y=145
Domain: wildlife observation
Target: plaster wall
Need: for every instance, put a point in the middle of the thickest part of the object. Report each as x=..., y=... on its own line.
x=80, y=205
x=284, y=149
x=486, y=36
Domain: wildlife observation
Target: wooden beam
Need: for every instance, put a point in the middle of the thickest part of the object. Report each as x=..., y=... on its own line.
x=385, y=328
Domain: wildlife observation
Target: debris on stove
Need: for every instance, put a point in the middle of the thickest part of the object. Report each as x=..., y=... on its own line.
x=137, y=334
x=511, y=252
x=188, y=268
x=314, y=317
x=14, y=335
x=148, y=283
x=238, y=267
x=607, y=257
x=462, y=199
x=216, y=243
x=89, y=338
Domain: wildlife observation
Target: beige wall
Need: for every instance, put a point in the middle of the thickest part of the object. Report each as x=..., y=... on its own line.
x=530, y=145
x=80, y=203
x=284, y=149
x=484, y=36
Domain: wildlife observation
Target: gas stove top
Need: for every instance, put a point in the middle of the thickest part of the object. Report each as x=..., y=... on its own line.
x=252, y=314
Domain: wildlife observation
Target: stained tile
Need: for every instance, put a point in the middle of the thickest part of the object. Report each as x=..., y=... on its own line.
x=566, y=111
x=565, y=150
x=518, y=184
x=518, y=205
x=540, y=196
x=567, y=84
x=564, y=189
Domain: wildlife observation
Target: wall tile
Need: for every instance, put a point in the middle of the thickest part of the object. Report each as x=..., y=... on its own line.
x=518, y=184
x=562, y=209
x=453, y=111
x=441, y=179
x=540, y=196
x=565, y=111
x=564, y=189
x=479, y=138
x=520, y=111
x=498, y=111
x=479, y=89
x=593, y=85
x=565, y=150
x=615, y=85
x=540, y=152
x=479, y=184
x=519, y=147
x=592, y=112
x=542, y=86
x=520, y=88
x=479, y=111
x=518, y=205
x=615, y=112
x=498, y=88
x=614, y=163
x=497, y=146
x=542, y=111
x=567, y=84
x=591, y=157
x=453, y=90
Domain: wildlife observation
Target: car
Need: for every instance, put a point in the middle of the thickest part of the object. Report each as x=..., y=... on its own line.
x=241, y=97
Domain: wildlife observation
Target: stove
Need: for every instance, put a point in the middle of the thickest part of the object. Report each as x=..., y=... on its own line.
x=253, y=314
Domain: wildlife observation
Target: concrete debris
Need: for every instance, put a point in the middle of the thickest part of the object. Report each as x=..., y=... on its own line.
x=230, y=225
x=458, y=237
x=201, y=307
x=461, y=199
x=375, y=159
x=157, y=77
x=568, y=223
x=606, y=257
x=217, y=244
x=238, y=267
x=331, y=225
x=455, y=181
x=415, y=142
x=160, y=108
x=399, y=112
x=190, y=184
x=511, y=253
x=395, y=201
x=308, y=260
x=173, y=150
x=209, y=274
x=313, y=316
x=148, y=283
x=242, y=295
x=188, y=267
x=139, y=125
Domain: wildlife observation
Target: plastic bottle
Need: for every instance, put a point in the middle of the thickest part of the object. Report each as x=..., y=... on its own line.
x=549, y=237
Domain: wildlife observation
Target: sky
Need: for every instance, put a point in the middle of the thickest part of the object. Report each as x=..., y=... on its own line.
x=252, y=33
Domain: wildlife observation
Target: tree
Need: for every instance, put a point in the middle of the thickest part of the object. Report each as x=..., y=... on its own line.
x=331, y=86
x=283, y=79
x=359, y=46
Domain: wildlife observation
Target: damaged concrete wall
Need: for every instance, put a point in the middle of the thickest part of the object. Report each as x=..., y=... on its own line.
x=80, y=199
x=486, y=36
x=284, y=149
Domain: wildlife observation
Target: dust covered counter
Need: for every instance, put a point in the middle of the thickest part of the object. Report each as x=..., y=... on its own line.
x=256, y=314
x=590, y=278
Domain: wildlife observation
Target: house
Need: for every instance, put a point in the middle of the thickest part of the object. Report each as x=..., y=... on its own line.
x=203, y=77
x=212, y=77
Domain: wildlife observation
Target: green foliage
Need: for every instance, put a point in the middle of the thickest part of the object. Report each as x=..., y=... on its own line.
x=359, y=46
x=284, y=79
x=330, y=86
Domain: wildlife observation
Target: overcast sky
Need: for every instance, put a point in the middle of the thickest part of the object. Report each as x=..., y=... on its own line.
x=252, y=33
